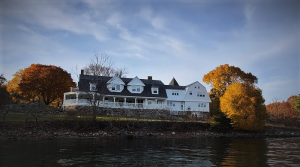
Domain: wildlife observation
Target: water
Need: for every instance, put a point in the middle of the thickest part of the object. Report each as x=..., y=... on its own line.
x=152, y=152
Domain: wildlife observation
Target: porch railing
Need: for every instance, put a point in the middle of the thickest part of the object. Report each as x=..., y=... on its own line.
x=71, y=102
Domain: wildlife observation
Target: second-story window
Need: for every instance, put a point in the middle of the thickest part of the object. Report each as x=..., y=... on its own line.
x=136, y=89
x=154, y=90
x=118, y=87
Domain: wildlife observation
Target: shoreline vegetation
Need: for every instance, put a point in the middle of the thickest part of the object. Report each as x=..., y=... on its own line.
x=63, y=128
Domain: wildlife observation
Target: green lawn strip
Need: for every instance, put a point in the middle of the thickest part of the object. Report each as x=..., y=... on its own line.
x=18, y=117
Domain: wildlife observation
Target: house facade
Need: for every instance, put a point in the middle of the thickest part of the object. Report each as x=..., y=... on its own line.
x=136, y=93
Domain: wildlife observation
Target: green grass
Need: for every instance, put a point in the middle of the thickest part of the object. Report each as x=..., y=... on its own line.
x=19, y=117
x=15, y=117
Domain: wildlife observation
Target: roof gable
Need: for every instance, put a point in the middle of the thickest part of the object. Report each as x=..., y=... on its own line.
x=116, y=80
x=174, y=82
x=136, y=82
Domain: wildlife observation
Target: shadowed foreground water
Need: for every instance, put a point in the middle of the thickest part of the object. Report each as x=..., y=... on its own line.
x=152, y=152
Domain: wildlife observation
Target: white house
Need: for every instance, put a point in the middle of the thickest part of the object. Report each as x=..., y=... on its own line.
x=115, y=92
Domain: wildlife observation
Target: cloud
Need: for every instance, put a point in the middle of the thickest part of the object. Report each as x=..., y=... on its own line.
x=148, y=15
x=55, y=16
x=249, y=11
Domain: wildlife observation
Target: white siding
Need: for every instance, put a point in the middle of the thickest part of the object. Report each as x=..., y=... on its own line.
x=179, y=97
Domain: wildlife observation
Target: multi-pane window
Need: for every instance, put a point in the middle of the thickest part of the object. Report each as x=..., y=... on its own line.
x=136, y=89
x=115, y=87
x=201, y=104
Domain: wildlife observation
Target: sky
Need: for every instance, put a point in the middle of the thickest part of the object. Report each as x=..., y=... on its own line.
x=184, y=39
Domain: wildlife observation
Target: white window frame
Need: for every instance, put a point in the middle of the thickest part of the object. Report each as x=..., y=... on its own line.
x=118, y=87
x=138, y=88
x=93, y=87
x=154, y=90
x=133, y=89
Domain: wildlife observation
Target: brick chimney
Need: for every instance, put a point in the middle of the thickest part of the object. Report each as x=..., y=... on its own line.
x=149, y=77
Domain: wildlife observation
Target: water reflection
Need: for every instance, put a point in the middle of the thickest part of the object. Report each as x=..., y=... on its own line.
x=239, y=152
x=152, y=152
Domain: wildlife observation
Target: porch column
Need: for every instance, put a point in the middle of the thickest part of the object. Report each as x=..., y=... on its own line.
x=76, y=98
x=114, y=101
x=156, y=103
x=146, y=101
x=103, y=101
x=135, y=101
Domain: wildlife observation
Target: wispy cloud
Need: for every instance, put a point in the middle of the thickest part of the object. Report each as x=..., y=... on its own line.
x=174, y=38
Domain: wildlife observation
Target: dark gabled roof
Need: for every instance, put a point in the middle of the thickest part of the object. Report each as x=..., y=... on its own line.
x=175, y=87
x=174, y=82
x=84, y=85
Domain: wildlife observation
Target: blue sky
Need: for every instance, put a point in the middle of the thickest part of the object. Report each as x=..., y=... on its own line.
x=184, y=39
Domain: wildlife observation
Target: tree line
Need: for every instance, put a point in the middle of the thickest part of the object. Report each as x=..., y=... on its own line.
x=236, y=101
x=284, y=112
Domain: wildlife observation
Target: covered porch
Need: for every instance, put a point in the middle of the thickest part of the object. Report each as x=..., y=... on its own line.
x=110, y=101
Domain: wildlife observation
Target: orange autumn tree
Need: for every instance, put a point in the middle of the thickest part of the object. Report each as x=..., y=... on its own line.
x=283, y=112
x=244, y=105
x=47, y=82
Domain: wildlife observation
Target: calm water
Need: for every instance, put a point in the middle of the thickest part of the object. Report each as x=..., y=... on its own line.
x=152, y=152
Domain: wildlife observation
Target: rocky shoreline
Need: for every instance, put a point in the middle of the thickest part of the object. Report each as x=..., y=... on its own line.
x=14, y=131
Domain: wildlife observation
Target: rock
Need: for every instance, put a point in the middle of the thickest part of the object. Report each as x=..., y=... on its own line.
x=173, y=133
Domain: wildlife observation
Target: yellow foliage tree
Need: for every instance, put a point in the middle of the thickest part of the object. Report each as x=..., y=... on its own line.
x=14, y=90
x=244, y=105
x=224, y=75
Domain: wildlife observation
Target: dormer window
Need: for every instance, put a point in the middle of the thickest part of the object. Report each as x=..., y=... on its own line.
x=136, y=89
x=116, y=88
x=154, y=90
x=92, y=87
